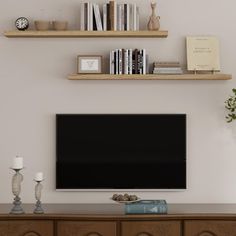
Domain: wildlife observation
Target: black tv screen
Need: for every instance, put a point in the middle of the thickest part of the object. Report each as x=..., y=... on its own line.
x=120, y=151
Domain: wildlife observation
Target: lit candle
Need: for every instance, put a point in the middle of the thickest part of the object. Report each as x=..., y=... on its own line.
x=38, y=176
x=17, y=163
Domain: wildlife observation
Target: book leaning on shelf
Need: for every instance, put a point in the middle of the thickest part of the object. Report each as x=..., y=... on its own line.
x=112, y=16
x=128, y=61
x=147, y=207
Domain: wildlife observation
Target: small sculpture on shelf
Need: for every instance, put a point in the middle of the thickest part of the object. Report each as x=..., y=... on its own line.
x=16, y=185
x=154, y=21
x=38, y=190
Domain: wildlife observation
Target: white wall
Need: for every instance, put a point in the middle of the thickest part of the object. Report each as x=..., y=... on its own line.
x=33, y=88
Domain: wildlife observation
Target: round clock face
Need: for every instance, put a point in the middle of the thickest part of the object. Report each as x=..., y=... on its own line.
x=22, y=23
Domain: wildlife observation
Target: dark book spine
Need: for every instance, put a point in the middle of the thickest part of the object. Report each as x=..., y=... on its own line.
x=108, y=17
x=125, y=16
x=94, y=19
x=123, y=61
x=86, y=16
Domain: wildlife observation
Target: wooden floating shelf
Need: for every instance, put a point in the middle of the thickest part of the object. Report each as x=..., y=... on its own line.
x=86, y=34
x=150, y=77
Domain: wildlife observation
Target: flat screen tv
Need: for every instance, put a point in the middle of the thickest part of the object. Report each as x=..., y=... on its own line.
x=120, y=152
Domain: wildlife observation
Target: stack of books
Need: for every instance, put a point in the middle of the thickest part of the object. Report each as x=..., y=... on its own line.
x=167, y=68
x=112, y=16
x=147, y=207
x=128, y=61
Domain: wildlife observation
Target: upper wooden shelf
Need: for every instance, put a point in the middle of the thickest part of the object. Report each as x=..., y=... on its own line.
x=85, y=34
x=150, y=77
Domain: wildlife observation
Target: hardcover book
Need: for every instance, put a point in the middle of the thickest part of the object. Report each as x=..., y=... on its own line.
x=203, y=54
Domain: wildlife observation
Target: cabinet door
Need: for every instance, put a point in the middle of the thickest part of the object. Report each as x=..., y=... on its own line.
x=26, y=228
x=210, y=228
x=151, y=228
x=74, y=228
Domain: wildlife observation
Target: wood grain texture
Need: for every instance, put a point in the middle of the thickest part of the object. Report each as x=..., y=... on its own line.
x=150, y=77
x=73, y=228
x=86, y=34
x=26, y=228
x=163, y=228
x=210, y=228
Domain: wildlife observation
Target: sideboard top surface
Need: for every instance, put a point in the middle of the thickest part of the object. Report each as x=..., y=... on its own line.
x=116, y=212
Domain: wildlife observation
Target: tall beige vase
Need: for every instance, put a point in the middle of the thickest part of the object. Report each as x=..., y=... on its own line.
x=154, y=21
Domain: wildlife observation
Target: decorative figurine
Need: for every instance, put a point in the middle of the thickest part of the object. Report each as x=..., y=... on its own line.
x=16, y=185
x=154, y=21
x=38, y=190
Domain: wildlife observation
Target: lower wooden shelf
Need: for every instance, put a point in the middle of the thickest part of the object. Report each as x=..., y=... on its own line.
x=150, y=77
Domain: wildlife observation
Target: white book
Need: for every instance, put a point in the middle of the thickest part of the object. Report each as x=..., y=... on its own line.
x=126, y=63
x=90, y=16
x=134, y=16
x=105, y=17
x=122, y=17
x=82, y=28
x=97, y=17
x=144, y=61
x=168, y=68
x=128, y=16
x=119, y=17
x=137, y=18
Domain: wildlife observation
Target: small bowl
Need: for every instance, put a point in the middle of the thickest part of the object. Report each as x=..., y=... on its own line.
x=60, y=25
x=42, y=25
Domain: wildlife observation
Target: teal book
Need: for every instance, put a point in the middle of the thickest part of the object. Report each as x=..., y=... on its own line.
x=147, y=207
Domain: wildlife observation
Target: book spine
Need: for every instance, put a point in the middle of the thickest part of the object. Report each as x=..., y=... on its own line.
x=119, y=17
x=98, y=17
x=104, y=13
x=146, y=209
x=82, y=17
x=137, y=18
x=122, y=17
x=130, y=61
x=112, y=61
x=144, y=62
x=117, y=62
x=108, y=17
x=86, y=16
x=120, y=62
x=125, y=17
x=94, y=17
x=126, y=63
x=112, y=15
x=134, y=16
x=123, y=61
x=128, y=17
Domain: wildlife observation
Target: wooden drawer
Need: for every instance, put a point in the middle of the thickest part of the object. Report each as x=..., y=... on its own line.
x=209, y=228
x=26, y=228
x=150, y=228
x=74, y=228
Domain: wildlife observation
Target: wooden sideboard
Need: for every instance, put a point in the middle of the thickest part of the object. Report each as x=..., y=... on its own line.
x=110, y=220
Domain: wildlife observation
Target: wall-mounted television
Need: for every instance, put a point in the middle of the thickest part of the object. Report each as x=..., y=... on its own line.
x=120, y=152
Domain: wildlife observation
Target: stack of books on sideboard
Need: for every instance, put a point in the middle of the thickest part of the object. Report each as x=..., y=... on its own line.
x=112, y=16
x=128, y=61
x=147, y=207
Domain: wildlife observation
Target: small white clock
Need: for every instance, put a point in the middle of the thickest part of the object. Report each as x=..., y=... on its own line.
x=22, y=23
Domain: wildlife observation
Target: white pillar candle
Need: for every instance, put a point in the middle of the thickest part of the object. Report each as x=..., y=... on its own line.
x=38, y=176
x=17, y=163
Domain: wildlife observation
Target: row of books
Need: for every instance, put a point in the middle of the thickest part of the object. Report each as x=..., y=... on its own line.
x=121, y=17
x=147, y=207
x=167, y=68
x=128, y=61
